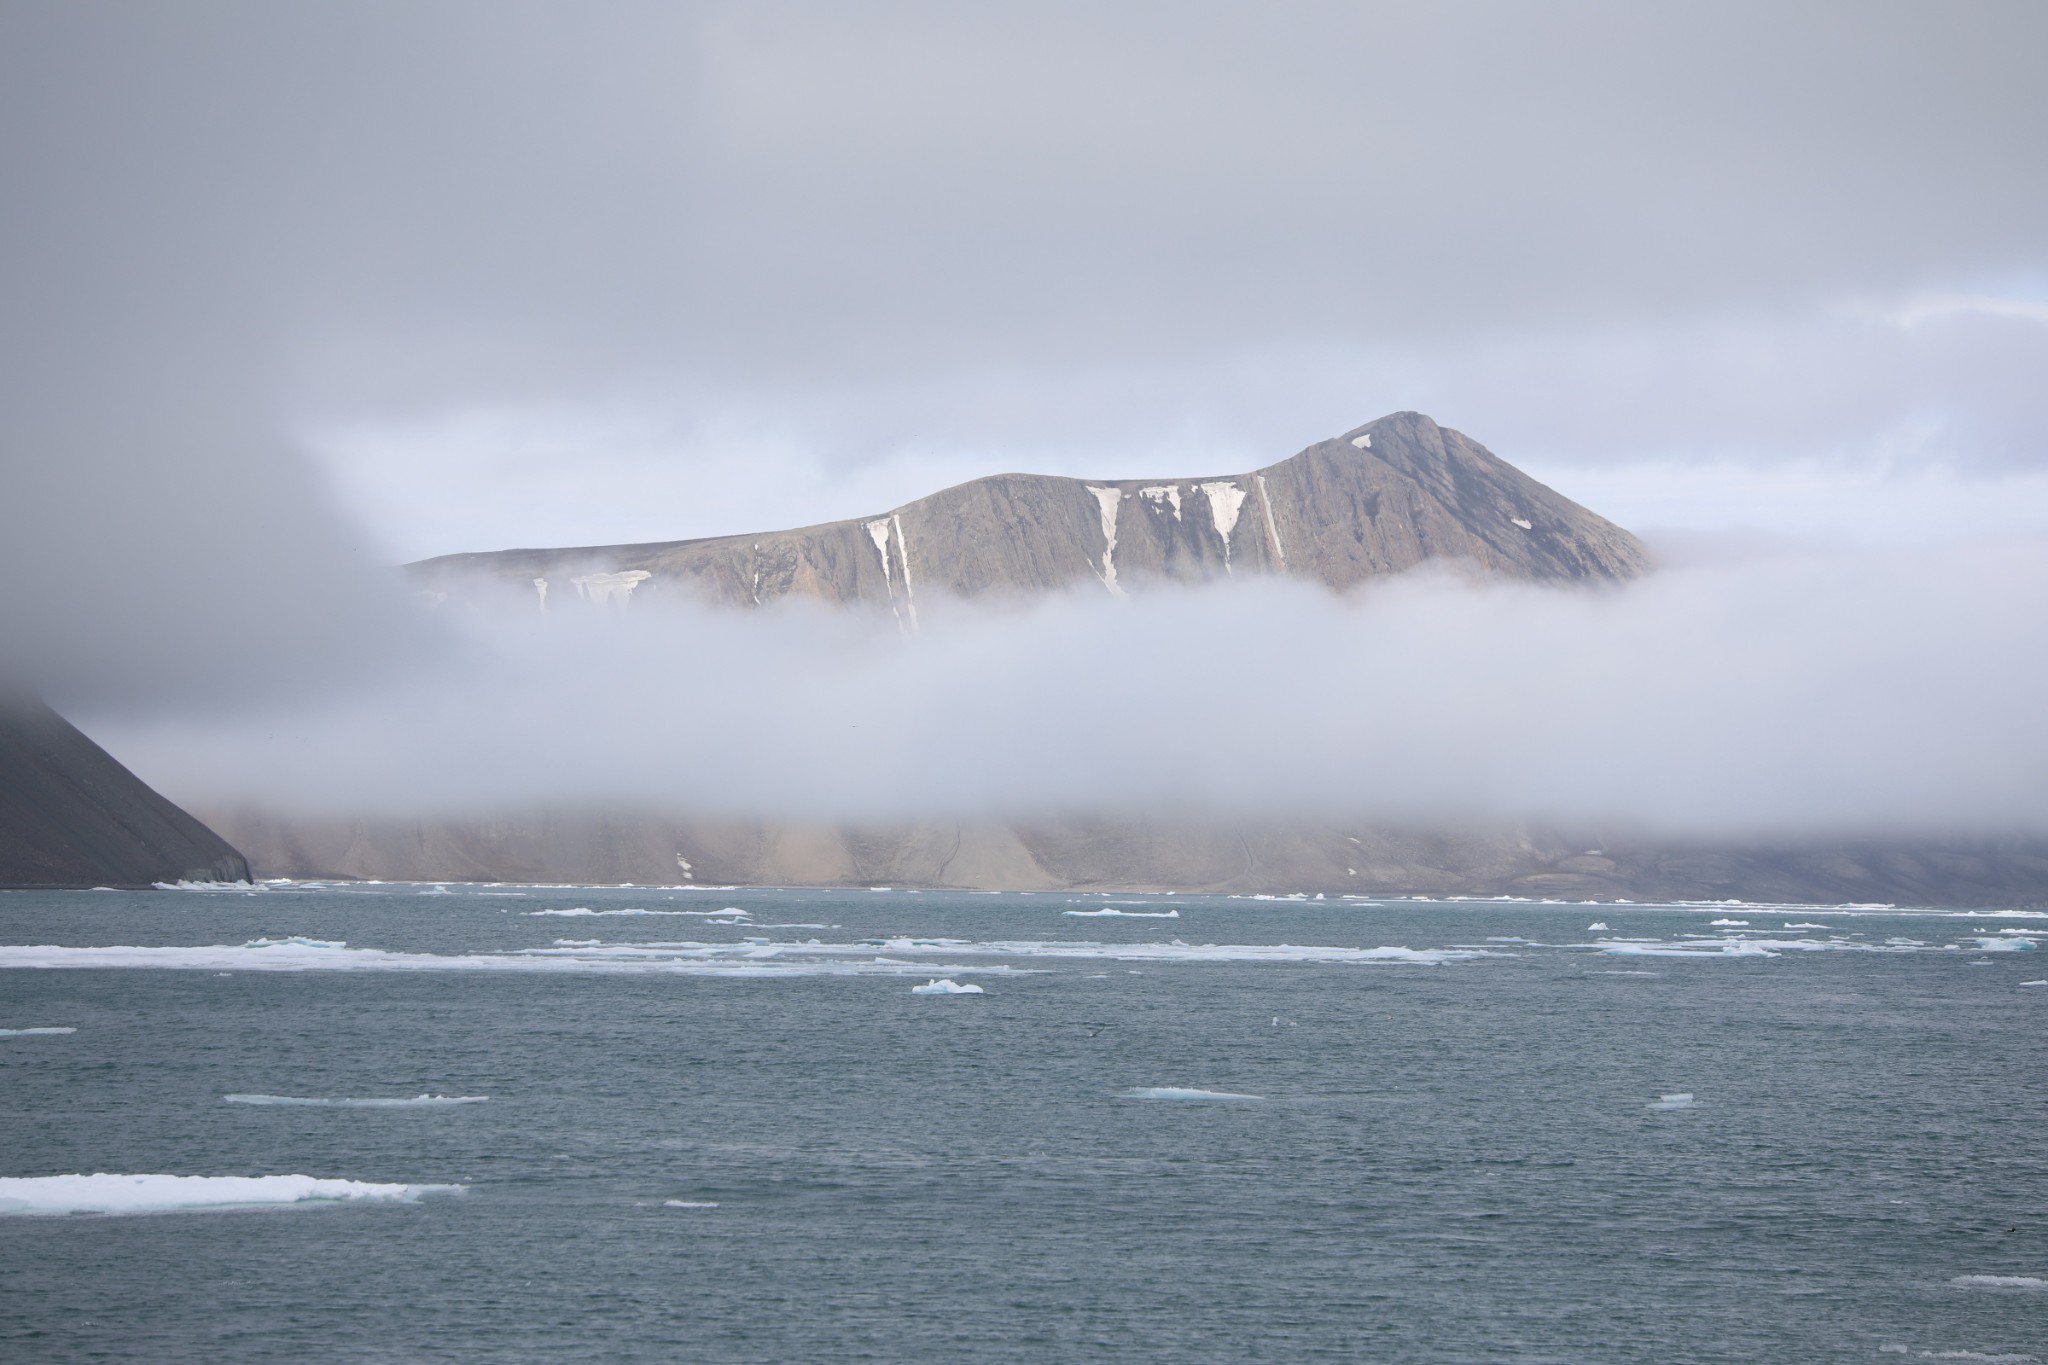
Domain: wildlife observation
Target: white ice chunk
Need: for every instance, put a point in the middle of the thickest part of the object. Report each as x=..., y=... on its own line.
x=2005, y=945
x=33, y=1032
x=1729, y=923
x=946, y=986
x=2001, y=1281
x=1681, y=1100
x=689, y=1204
x=1597, y=925
x=1174, y=1092
x=104, y=1193
x=416, y=1102
x=1111, y=911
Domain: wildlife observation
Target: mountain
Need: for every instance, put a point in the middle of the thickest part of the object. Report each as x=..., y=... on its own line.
x=71, y=816
x=1379, y=499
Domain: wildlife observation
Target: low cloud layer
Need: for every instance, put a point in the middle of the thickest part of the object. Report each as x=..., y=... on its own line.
x=1770, y=696
x=292, y=290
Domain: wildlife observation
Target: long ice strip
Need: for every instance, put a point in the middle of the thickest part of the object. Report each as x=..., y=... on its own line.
x=105, y=1193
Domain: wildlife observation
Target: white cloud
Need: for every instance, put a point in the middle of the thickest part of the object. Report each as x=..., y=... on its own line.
x=1781, y=695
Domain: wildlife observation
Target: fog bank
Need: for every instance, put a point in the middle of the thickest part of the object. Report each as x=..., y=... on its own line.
x=1789, y=695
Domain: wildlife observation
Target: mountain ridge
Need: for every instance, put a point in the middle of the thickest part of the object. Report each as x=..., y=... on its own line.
x=1378, y=499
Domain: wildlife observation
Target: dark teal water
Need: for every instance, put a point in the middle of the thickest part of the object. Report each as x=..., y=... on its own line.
x=1449, y=1161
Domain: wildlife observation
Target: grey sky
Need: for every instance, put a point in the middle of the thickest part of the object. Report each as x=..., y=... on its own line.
x=296, y=289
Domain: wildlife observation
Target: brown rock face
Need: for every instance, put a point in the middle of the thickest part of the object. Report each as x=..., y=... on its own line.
x=1380, y=499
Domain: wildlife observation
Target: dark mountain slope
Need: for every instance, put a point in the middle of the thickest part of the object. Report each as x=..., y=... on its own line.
x=72, y=816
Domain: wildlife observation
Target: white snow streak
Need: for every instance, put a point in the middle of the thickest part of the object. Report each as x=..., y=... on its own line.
x=1226, y=500
x=601, y=588
x=1108, y=499
x=1166, y=493
x=878, y=531
x=1272, y=529
x=903, y=549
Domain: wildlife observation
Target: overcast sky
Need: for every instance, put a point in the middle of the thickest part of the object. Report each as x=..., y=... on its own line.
x=515, y=273
x=296, y=290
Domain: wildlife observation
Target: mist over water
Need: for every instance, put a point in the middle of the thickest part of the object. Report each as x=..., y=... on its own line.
x=1792, y=693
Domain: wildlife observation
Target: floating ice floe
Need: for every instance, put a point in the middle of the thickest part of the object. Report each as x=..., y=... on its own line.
x=1174, y=1092
x=33, y=1032
x=104, y=1193
x=689, y=1204
x=580, y=911
x=2005, y=945
x=2034, y=983
x=416, y=1102
x=1598, y=926
x=1720, y=947
x=2000, y=1281
x=1681, y=1100
x=1728, y=923
x=946, y=986
x=753, y=956
x=1113, y=913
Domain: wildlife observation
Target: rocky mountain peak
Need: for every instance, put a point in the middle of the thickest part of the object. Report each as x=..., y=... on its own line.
x=1379, y=499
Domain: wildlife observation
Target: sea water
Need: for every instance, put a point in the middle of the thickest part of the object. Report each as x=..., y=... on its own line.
x=383, y=1123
